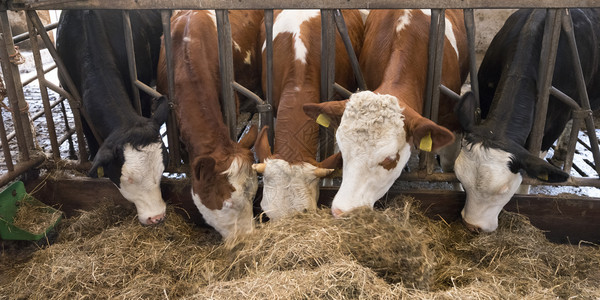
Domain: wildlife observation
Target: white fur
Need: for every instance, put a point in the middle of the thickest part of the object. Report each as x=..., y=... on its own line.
x=213, y=16
x=140, y=180
x=371, y=129
x=288, y=189
x=236, y=215
x=403, y=21
x=488, y=182
x=289, y=21
x=449, y=31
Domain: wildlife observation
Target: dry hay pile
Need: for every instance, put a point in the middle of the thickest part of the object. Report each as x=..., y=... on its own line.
x=390, y=254
x=34, y=216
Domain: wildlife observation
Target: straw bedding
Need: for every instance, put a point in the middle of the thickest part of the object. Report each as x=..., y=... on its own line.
x=396, y=253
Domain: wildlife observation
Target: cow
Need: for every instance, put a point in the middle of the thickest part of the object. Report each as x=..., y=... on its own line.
x=91, y=44
x=223, y=182
x=378, y=129
x=291, y=172
x=494, y=152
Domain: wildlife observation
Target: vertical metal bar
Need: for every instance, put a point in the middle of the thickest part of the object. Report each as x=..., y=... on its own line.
x=546, y=72
x=75, y=100
x=14, y=90
x=266, y=118
x=470, y=26
x=341, y=26
x=584, y=100
x=129, y=48
x=439, y=56
x=327, y=147
x=577, y=122
x=67, y=129
x=172, y=130
x=5, y=146
x=226, y=71
x=43, y=90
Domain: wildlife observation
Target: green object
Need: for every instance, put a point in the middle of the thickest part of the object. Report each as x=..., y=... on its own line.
x=10, y=199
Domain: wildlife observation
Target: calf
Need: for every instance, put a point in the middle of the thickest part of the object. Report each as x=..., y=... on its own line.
x=377, y=129
x=494, y=151
x=223, y=181
x=291, y=173
x=92, y=46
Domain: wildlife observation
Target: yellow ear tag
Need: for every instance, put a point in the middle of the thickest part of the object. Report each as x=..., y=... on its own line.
x=426, y=143
x=543, y=177
x=100, y=171
x=323, y=120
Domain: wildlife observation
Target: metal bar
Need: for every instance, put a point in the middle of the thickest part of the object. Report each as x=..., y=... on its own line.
x=546, y=72
x=145, y=88
x=471, y=30
x=67, y=128
x=130, y=49
x=567, y=24
x=328, y=40
x=449, y=93
x=293, y=4
x=5, y=149
x=226, y=71
x=25, y=35
x=341, y=90
x=248, y=93
x=73, y=95
x=172, y=130
x=35, y=48
x=564, y=98
x=33, y=78
x=266, y=118
x=577, y=122
x=23, y=166
x=341, y=26
x=14, y=91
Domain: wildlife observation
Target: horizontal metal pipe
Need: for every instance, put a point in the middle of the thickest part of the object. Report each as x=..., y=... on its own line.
x=246, y=92
x=450, y=93
x=294, y=4
x=564, y=98
x=341, y=90
x=23, y=36
x=33, y=78
x=148, y=90
x=22, y=167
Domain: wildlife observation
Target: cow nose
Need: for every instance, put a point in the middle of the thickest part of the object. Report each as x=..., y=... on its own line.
x=156, y=219
x=472, y=228
x=336, y=212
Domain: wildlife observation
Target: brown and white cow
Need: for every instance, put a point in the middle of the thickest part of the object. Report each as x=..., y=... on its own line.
x=223, y=181
x=291, y=173
x=378, y=129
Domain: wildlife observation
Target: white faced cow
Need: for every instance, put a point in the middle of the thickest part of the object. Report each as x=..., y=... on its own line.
x=291, y=173
x=378, y=129
x=494, y=152
x=223, y=181
x=92, y=46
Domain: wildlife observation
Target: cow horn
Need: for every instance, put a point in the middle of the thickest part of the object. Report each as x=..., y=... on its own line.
x=322, y=172
x=259, y=168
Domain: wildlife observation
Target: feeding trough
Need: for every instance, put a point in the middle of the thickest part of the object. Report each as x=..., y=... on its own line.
x=22, y=217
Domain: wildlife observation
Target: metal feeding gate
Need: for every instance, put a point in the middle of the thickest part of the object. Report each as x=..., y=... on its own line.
x=31, y=158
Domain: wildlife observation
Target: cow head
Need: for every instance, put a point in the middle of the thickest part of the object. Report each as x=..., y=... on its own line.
x=489, y=166
x=289, y=187
x=134, y=159
x=375, y=140
x=223, y=188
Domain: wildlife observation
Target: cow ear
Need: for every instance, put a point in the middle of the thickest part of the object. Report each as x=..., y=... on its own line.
x=465, y=110
x=334, y=161
x=326, y=113
x=203, y=168
x=249, y=137
x=429, y=136
x=261, y=146
x=536, y=167
x=102, y=158
x=161, y=113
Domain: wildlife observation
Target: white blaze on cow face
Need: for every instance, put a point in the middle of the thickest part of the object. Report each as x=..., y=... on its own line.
x=289, y=21
x=488, y=182
x=236, y=215
x=140, y=181
x=372, y=140
x=288, y=188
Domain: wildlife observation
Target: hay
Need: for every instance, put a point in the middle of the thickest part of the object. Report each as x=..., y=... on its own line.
x=33, y=216
x=391, y=254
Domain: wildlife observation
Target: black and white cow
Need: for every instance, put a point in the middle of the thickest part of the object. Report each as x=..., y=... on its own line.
x=92, y=46
x=494, y=152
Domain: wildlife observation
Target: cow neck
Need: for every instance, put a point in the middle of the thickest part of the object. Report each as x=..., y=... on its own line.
x=513, y=105
x=296, y=134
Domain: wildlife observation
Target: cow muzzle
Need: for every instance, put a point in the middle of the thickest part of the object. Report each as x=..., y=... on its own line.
x=154, y=220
